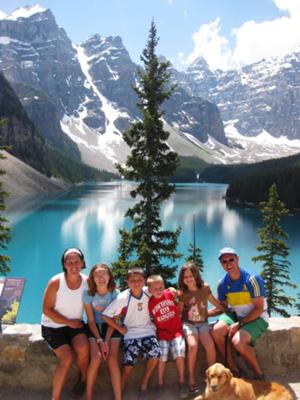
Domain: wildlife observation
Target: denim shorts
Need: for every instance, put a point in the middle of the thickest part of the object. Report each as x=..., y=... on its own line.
x=176, y=345
x=195, y=329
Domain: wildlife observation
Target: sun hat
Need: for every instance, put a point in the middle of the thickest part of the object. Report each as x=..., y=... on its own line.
x=227, y=250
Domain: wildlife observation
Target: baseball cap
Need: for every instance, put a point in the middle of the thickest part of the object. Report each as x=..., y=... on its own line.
x=227, y=250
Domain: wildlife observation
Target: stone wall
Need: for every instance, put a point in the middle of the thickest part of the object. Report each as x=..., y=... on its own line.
x=26, y=361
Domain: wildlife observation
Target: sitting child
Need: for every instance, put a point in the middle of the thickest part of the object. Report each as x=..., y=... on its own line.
x=140, y=338
x=164, y=311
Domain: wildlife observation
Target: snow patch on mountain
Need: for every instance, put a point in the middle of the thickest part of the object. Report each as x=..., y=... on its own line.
x=24, y=12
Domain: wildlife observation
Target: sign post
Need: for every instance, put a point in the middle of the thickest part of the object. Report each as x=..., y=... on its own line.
x=11, y=290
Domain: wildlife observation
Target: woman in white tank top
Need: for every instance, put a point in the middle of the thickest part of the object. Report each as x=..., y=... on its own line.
x=62, y=325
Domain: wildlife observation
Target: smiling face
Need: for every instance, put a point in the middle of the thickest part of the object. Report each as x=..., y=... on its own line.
x=189, y=279
x=136, y=283
x=156, y=289
x=230, y=263
x=101, y=277
x=73, y=264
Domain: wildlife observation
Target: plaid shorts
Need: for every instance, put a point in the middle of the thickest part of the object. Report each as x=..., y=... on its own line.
x=147, y=346
x=176, y=345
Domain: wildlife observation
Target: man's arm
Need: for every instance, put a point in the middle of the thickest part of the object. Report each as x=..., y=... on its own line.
x=258, y=303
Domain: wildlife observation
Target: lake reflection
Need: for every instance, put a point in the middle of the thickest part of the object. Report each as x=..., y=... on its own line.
x=90, y=216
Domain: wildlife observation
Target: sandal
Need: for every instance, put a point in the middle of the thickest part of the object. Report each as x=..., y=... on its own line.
x=193, y=388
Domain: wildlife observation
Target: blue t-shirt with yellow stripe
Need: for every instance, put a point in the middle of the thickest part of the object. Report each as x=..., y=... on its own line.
x=239, y=294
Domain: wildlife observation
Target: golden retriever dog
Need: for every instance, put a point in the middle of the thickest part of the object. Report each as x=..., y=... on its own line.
x=221, y=385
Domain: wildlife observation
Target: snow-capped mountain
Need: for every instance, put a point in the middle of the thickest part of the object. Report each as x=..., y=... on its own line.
x=83, y=92
x=80, y=97
x=261, y=97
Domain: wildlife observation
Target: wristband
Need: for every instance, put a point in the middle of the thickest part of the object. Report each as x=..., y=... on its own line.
x=99, y=340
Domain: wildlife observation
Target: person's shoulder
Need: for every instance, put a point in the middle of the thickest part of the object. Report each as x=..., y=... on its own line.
x=171, y=291
x=123, y=295
x=250, y=275
x=55, y=279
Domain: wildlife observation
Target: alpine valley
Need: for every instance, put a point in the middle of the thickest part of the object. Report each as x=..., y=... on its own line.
x=79, y=99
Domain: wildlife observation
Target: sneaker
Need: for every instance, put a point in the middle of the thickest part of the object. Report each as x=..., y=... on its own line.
x=78, y=389
x=182, y=391
x=261, y=377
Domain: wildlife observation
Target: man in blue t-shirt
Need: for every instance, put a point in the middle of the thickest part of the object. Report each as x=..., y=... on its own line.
x=247, y=317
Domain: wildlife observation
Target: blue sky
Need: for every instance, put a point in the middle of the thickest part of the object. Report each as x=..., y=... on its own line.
x=228, y=33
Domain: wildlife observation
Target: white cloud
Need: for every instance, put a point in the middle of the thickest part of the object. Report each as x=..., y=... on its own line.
x=253, y=41
x=211, y=45
x=2, y=15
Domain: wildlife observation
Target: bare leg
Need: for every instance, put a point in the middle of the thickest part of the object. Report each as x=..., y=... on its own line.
x=180, y=369
x=209, y=346
x=150, y=366
x=64, y=355
x=219, y=333
x=92, y=369
x=126, y=372
x=241, y=341
x=192, y=343
x=114, y=368
x=81, y=347
x=161, y=371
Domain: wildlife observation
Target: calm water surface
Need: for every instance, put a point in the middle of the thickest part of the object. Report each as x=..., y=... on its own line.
x=90, y=217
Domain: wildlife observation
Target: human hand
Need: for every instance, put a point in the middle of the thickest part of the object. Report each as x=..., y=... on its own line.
x=104, y=347
x=233, y=329
x=75, y=323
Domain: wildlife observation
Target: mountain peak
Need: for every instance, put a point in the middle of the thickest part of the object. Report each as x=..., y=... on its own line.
x=25, y=12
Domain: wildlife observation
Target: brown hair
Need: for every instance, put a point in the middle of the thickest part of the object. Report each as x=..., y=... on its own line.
x=69, y=251
x=194, y=270
x=91, y=283
x=154, y=278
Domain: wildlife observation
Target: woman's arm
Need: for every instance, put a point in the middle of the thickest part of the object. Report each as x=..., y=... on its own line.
x=49, y=301
x=91, y=321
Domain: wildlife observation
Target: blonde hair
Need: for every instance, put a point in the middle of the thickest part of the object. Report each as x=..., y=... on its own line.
x=153, y=279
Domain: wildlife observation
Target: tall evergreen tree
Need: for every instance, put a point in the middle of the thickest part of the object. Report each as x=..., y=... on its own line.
x=274, y=252
x=298, y=304
x=150, y=164
x=4, y=228
x=195, y=253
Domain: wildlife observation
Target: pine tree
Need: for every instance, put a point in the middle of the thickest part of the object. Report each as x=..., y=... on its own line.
x=4, y=229
x=274, y=252
x=150, y=164
x=195, y=251
x=298, y=304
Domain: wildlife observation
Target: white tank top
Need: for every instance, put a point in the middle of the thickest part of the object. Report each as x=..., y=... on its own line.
x=68, y=302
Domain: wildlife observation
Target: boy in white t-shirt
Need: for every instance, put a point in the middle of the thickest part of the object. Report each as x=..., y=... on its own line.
x=140, y=338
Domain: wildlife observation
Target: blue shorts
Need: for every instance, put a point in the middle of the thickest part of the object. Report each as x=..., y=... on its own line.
x=195, y=329
x=147, y=346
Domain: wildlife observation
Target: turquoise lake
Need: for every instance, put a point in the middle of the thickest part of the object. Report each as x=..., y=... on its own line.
x=90, y=216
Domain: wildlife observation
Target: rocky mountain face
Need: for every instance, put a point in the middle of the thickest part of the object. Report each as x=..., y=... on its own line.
x=81, y=100
x=264, y=96
x=18, y=132
x=82, y=94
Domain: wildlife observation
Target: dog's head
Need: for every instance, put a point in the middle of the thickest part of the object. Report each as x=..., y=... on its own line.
x=217, y=376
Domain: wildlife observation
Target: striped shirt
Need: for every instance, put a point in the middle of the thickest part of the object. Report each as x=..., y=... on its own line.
x=239, y=294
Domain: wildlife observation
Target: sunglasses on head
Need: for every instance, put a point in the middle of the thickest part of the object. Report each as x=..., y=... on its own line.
x=227, y=261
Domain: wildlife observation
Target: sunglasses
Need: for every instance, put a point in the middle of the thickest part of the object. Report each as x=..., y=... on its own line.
x=229, y=260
